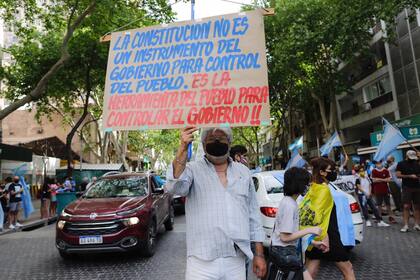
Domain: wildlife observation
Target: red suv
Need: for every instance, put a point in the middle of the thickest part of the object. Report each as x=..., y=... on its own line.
x=120, y=212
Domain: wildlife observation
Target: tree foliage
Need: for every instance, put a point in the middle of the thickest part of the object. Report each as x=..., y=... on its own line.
x=81, y=80
x=307, y=40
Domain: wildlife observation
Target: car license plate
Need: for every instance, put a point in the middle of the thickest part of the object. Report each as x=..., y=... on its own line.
x=97, y=239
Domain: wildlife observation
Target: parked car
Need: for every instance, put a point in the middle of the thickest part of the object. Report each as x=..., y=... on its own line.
x=119, y=213
x=269, y=190
x=179, y=203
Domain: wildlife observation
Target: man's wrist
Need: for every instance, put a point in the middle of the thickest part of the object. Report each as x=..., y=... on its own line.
x=184, y=146
x=180, y=162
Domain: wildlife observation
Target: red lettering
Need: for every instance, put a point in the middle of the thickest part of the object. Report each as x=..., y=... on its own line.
x=222, y=81
x=177, y=117
x=199, y=80
x=110, y=116
x=173, y=100
x=253, y=95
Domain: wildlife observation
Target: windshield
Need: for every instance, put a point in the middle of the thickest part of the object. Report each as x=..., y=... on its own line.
x=118, y=187
x=272, y=185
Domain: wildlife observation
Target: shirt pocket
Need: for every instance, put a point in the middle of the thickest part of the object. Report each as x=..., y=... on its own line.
x=240, y=188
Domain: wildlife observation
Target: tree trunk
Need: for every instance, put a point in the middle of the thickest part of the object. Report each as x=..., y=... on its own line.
x=323, y=113
x=104, y=148
x=70, y=136
x=257, y=142
x=124, y=142
x=333, y=114
x=39, y=89
x=74, y=129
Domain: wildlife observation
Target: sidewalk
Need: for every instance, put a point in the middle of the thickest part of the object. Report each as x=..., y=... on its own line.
x=34, y=220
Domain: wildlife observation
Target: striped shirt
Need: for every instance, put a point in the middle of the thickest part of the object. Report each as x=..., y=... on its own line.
x=218, y=218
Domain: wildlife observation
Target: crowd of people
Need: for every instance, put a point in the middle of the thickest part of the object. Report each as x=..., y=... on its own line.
x=224, y=231
x=11, y=198
x=378, y=182
x=52, y=187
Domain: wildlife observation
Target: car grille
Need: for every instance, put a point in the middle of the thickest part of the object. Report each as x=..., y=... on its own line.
x=93, y=228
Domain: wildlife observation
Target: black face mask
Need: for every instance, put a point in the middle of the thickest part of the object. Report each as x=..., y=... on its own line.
x=16, y=181
x=217, y=148
x=332, y=176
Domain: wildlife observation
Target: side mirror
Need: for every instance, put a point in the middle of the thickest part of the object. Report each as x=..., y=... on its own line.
x=159, y=191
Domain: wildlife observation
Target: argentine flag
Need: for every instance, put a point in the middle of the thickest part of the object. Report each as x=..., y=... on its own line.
x=334, y=141
x=296, y=160
x=391, y=139
x=297, y=144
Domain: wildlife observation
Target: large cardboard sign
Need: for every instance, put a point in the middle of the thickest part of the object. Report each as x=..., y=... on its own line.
x=210, y=72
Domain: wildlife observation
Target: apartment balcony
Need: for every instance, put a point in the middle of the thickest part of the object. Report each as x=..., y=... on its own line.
x=366, y=107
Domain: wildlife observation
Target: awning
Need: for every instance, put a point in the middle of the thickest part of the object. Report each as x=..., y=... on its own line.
x=371, y=150
x=51, y=147
x=15, y=153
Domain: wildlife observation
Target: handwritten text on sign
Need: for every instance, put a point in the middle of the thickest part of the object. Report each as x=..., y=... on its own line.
x=205, y=73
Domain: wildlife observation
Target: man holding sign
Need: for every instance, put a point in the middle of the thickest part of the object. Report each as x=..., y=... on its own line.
x=221, y=210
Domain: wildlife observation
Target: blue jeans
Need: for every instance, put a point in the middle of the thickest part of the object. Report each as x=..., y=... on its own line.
x=364, y=203
x=1, y=217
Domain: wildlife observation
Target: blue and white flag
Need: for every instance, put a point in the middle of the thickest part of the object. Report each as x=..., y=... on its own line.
x=27, y=206
x=297, y=144
x=342, y=158
x=355, y=159
x=296, y=160
x=334, y=141
x=390, y=140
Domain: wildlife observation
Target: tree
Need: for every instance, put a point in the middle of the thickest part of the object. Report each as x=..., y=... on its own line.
x=76, y=90
x=308, y=39
x=73, y=14
x=251, y=138
x=155, y=145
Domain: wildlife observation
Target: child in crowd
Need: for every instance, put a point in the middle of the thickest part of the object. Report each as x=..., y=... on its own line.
x=286, y=226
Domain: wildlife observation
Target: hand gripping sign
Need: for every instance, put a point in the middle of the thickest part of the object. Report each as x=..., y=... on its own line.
x=209, y=72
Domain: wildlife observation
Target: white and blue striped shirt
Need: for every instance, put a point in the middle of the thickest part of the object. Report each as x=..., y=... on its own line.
x=218, y=217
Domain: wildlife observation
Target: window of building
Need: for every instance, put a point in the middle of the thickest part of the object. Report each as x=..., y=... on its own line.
x=418, y=17
x=377, y=89
x=402, y=28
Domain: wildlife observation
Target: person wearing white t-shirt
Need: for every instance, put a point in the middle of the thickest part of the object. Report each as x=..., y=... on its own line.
x=286, y=226
x=364, y=193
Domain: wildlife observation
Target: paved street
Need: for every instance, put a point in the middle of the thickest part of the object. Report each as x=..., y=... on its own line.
x=385, y=254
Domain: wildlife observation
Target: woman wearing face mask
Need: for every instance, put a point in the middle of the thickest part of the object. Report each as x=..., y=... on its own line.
x=321, y=211
x=364, y=193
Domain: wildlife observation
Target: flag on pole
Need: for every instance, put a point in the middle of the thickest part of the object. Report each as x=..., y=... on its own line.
x=390, y=140
x=199, y=153
x=297, y=144
x=296, y=160
x=334, y=141
x=342, y=158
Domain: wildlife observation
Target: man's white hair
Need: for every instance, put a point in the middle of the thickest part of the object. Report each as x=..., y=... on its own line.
x=210, y=130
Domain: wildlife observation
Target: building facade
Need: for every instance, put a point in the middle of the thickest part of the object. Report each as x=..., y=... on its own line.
x=385, y=84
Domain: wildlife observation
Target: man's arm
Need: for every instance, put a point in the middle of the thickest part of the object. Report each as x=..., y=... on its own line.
x=257, y=234
x=179, y=176
x=358, y=186
x=411, y=176
x=180, y=160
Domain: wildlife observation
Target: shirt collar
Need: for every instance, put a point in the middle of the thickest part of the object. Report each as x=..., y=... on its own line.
x=230, y=160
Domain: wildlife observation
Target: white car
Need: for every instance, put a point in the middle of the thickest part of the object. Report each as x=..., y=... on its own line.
x=269, y=189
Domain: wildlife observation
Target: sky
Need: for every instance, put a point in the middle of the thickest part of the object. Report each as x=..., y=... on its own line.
x=206, y=8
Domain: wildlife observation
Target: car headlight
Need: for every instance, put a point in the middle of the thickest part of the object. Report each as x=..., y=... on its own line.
x=131, y=211
x=65, y=214
x=61, y=224
x=131, y=221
